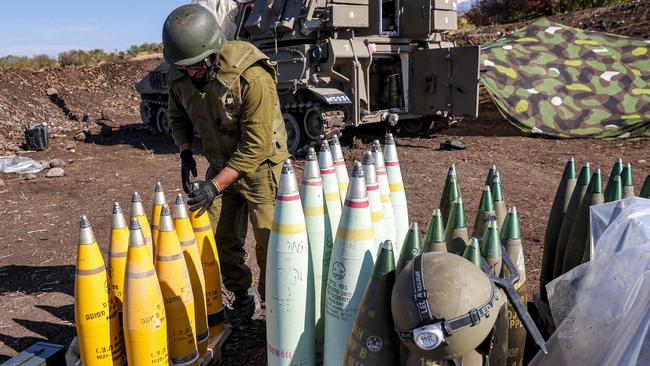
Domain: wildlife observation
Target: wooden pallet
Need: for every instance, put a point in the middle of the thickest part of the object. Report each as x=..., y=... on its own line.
x=213, y=355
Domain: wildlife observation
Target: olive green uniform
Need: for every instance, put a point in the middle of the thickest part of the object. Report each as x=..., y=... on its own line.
x=238, y=117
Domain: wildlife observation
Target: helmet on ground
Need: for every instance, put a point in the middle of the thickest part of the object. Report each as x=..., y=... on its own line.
x=443, y=306
x=191, y=34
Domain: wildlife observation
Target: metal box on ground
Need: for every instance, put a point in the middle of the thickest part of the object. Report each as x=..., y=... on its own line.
x=39, y=354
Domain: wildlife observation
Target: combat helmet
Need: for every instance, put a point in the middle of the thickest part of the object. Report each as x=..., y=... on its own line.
x=191, y=34
x=444, y=306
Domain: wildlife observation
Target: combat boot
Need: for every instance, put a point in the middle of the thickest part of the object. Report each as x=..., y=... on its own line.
x=241, y=310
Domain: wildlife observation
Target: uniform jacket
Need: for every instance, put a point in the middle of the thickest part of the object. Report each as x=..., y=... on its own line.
x=237, y=115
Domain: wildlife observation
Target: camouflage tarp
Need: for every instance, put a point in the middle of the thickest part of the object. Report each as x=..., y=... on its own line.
x=554, y=80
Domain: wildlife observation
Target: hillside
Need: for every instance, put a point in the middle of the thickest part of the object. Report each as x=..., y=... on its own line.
x=631, y=19
x=84, y=93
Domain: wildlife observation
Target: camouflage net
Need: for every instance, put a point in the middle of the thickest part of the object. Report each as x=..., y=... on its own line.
x=553, y=80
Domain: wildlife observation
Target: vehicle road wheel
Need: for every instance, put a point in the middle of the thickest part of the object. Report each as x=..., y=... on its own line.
x=294, y=132
x=163, y=125
x=313, y=124
x=146, y=113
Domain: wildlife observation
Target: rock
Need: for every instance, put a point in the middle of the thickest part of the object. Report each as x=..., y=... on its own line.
x=80, y=136
x=2, y=183
x=12, y=147
x=30, y=176
x=57, y=163
x=55, y=172
x=51, y=92
x=69, y=145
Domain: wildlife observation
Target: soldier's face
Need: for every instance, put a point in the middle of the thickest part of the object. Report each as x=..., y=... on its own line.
x=197, y=71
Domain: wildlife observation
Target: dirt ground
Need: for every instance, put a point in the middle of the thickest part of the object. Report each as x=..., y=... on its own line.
x=39, y=231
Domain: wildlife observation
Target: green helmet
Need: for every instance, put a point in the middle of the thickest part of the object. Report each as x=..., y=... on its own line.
x=443, y=306
x=191, y=34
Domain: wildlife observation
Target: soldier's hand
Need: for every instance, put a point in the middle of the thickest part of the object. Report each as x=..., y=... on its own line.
x=187, y=165
x=202, y=197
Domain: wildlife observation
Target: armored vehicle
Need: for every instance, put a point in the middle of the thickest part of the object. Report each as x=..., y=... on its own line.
x=346, y=63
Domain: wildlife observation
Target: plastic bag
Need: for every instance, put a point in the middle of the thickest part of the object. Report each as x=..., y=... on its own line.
x=620, y=224
x=21, y=165
x=225, y=11
x=602, y=307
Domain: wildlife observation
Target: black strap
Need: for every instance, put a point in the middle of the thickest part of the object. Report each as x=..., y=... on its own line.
x=420, y=292
x=473, y=317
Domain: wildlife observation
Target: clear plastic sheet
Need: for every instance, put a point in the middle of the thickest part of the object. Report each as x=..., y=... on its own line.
x=21, y=165
x=602, y=307
x=614, y=228
x=225, y=11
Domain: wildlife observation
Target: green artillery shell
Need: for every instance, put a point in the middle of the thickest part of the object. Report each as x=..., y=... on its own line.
x=516, y=330
x=444, y=205
x=498, y=355
x=579, y=242
x=456, y=234
x=559, y=208
x=490, y=175
x=628, y=185
x=450, y=193
x=491, y=251
x=616, y=191
x=491, y=248
x=645, y=189
x=616, y=170
x=434, y=241
x=485, y=213
x=373, y=340
x=473, y=252
x=411, y=247
x=498, y=201
x=569, y=218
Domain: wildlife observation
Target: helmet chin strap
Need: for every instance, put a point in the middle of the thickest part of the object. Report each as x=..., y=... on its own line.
x=213, y=67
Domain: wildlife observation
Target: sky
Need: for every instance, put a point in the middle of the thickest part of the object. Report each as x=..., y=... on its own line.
x=32, y=27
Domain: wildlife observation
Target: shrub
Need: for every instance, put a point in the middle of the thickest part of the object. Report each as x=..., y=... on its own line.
x=24, y=62
x=486, y=12
x=144, y=48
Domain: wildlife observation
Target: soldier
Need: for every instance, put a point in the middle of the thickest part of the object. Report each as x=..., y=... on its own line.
x=227, y=91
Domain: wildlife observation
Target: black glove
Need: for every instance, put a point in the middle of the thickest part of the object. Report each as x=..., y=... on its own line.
x=202, y=197
x=187, y=165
